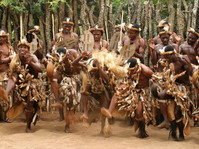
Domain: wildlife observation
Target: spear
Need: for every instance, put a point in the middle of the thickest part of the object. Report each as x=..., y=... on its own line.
x=120, y=41
x=21, y=26
x=53, y=26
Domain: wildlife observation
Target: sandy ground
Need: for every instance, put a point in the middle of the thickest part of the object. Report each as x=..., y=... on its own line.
x=49, y=134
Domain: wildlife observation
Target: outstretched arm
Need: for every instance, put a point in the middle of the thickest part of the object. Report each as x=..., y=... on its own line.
x=140, y=53
x=11, y=83
x=35, y=64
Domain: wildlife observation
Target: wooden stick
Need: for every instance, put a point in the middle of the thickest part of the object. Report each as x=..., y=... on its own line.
x=120, y=41
x=21, y=26
x=53, y=26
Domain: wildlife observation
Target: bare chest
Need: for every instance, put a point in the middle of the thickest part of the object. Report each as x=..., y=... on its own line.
x=188, y=50
x=4, y=50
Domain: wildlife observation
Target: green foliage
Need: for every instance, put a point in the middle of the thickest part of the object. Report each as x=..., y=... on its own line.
x=54, y=4
x=36, y=7
x=16, y=5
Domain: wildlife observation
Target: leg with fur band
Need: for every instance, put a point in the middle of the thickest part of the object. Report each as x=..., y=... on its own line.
x=30, y=111
x=140, y=123
x=175, y=115
x=179, y=116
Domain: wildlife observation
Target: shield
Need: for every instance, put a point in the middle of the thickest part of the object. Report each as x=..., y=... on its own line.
x=67, y=43
x=128, y=51
x=15, y=110
x=113, y=46
x=3, y=95
x=87, y=41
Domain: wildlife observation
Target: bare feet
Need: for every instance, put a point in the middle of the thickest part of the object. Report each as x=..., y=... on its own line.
x=57, y=105
x=59, y=119
x=28, y=130
x=84, y=117
x=105, y=112
x=164, y=124
x=68, y=129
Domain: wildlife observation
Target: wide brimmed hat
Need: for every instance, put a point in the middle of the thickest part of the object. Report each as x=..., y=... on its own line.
x=23, y=42
x=164, y=31
x=3, y=33
x=96, y=28
x=194, y=31
x=33, y=28
x=167, y=50
x=68, y=21
x=163, y=23
x=119, y=26
x=134, y=27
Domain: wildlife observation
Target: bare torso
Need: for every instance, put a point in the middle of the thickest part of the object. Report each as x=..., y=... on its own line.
x=145, y=75
x=101, y=45
x=156, y=55
x=174, y=38
x=139, y=46
x=4, y=53
x=181, y=65
x=186, y=49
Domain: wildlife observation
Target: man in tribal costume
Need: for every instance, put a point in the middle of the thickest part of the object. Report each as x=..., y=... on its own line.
x=99, y=43
x=6, y=55
x=95, y=91
x=66, y=37
x=190, y=47
x=132, y=96
x=174, y=38
x=174, y=90
x=24, y=69
x=63, y=71
x=164, y=36
x=115, y=41
x=165, y=25
x=133, y=44
x=36, y=44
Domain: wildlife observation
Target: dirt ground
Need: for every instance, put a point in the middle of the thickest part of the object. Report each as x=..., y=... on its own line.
x=49, y=134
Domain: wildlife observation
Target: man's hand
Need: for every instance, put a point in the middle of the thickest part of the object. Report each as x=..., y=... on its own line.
x=96, y=63
x=197, y=44
x=28, y=58
x=85, y=54
x=151, y=44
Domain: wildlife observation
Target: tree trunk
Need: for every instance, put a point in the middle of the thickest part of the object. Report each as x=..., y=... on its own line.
x=48, y=27
x=101, y=14
x=9, y=26
x=180, y=20
x=146, y=29
x=106, y=19
x=41, y=25
x=76, y=27
x=4, y=19
x=16, y=34
x=31, y=20
x=189, y=17
x=129, y=13
x=139, y=12
x=91, y=15
x=83, y=18
x=111, y=21
x=197, y=18
x=158, y=12
x=134, y=14
x=25, y=21
x=171, y=14
x=56, y=22
x=61, y=12
x=70, y=9
x=195, y=8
